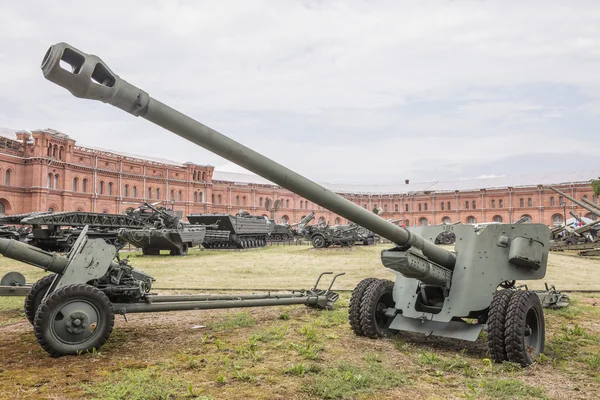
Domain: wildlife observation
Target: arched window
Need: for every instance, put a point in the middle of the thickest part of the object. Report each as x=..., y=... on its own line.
x=423, y=221
x=497, y=218
x=260, y=202
x=195, y=197
x=219, y=199
x=405, y=207
x=49, y=181
x=2, y=208
x=110, y=188
x=179, y=196
x=501, y=203
x=591, y=216
x=157, y=194
x=584, y=197
x=396, y=207
x=101, y=189
x=385, y=208
x=194, y=176
x=54, y=151
x=60, y=153
x=449, y=206
x=55, y=181
x=203, y=177
x=75, y=184
x=552, y=201
x=84, y=185
x=285, y=219
x=172, y=195
x=51, y=209
x=557, y=220
x=425, y=206
x=7, y=177
x=529, y=202
x=446, y=220
x=244, y=200
x=134, y=192
x=302, y=204
x=149, y=193
x=474, y=204
x=527, y=218
x=321, y=219
x=201, y=197
x=560, y=201
x=287, y=204
x=50, y=151
x=126, y=190
x=337, y=221
x=467, y=204
x=471, y=220
x=419, y=206
x=493, y=203
x=442, y=205
x=521, y=202
x=237, y=200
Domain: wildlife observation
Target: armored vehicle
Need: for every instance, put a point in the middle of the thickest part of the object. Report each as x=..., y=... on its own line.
x=240, y=231
x=436, y=292
x=280, y=232
x=164, y=230
x=58, y=231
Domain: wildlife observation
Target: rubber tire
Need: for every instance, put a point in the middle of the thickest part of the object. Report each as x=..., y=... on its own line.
x=56, y=348
x=35, y=295
x=355, y=304
x=496, y=325
x=370, y=300
x=318, y=245
x=518, y=307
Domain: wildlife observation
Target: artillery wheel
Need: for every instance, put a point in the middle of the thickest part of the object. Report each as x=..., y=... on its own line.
x=377, y=298
x=508, y=284
x=355, y=304
x=74, y=319
x=13, y=279
x=35, y=295
x=571, y=241
x=524, y=328
x=496, y=325
x=318, y=241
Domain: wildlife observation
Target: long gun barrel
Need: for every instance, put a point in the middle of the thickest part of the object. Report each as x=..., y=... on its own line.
x=90, y=78
x=574, y=200
x=588, y=202
x=33, y=256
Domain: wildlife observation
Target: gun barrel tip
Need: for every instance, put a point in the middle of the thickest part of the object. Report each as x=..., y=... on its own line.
x=4, y=243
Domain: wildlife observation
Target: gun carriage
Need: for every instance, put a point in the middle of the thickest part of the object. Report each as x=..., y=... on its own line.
x=436, y=292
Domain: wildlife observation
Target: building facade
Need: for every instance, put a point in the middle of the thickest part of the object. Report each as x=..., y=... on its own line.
x=45, y=170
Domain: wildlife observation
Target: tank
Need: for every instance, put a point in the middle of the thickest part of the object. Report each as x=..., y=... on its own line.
x=163, y=230
x=280, y=232
x=437, y=292
x=240, y=231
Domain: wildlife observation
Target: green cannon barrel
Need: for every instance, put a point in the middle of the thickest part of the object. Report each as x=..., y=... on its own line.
x=589, y=203
x=32, y=255
x=90, y=78
x=579, y=203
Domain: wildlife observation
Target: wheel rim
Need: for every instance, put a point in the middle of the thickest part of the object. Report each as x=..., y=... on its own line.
x=318, y=241
x=75, y=322
x=384, y=302
x=533, y=334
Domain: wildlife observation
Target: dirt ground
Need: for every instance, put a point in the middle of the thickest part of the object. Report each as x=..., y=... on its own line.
x=296, y=352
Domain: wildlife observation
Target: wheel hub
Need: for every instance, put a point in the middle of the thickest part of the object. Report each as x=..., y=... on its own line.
x=76, y=322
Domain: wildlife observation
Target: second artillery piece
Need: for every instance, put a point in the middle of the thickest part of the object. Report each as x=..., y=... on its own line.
x=436, y=292
x=163, y=230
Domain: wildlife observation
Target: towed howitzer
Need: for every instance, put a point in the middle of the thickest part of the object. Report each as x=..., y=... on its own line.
x=436, y=290
x=591, y=209
x=72, y=310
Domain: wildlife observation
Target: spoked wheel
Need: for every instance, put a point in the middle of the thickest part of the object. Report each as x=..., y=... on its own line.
x=508, y=284
x=524, y=330
x=35, y=295
x=496, y=325
x=74, y=319
x=318, y=241
x=356, y=303
x=377, y=298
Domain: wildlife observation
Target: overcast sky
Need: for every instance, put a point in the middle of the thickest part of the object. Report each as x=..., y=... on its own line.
x=342, y=91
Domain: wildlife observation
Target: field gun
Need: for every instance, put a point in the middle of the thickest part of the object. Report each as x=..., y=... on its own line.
x=436, y=292
x=72, y=310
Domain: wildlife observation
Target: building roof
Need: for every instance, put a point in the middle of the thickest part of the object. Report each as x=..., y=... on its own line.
x=498, y=182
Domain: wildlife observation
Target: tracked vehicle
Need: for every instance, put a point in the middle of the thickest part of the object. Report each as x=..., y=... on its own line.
x=436, y=292
x=240, y=231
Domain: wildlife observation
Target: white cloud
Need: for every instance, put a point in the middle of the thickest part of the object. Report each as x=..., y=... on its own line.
x=393, y=84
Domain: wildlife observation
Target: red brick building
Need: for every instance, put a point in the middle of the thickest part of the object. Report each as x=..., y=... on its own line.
x=45, y=170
